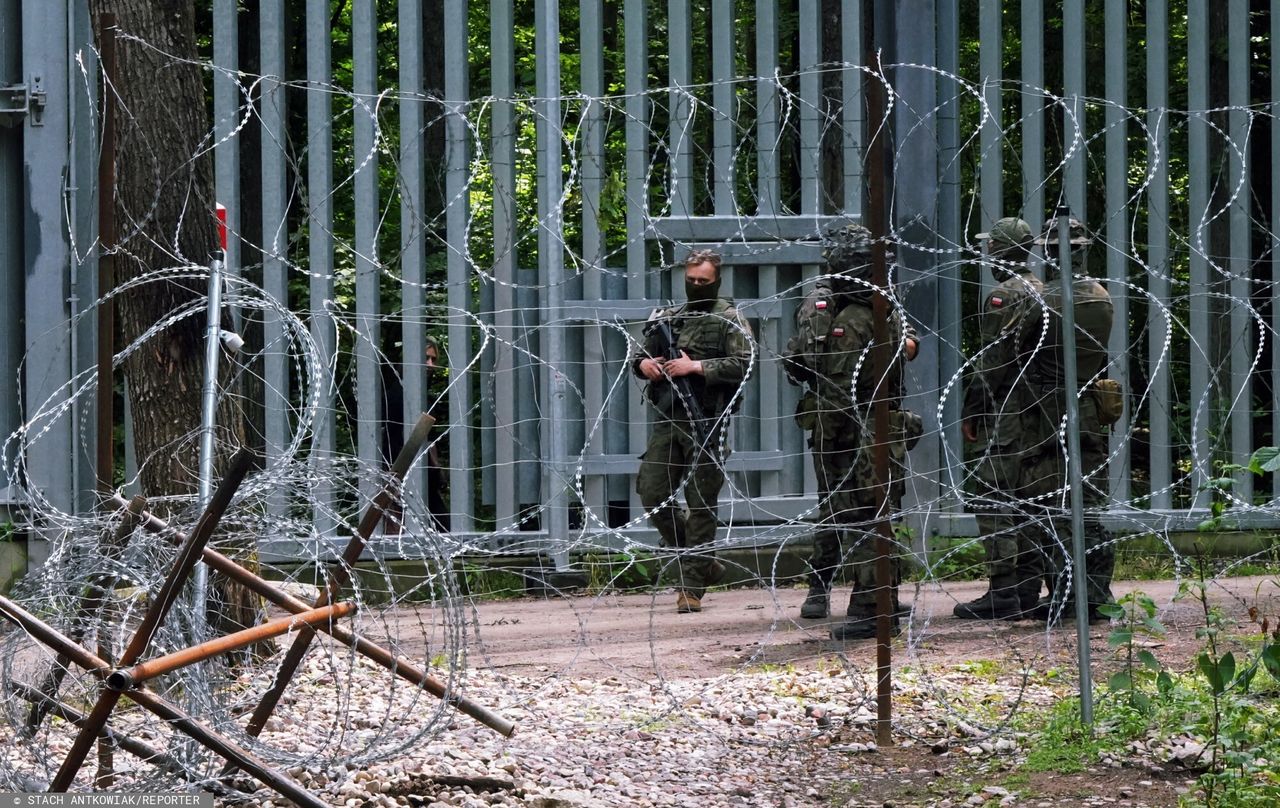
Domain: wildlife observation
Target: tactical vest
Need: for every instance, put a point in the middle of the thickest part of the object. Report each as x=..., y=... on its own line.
x=1094, y=315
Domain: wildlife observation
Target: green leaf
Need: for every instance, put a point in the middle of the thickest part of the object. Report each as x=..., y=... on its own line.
x=1268, y=457
x=1112, y=610
x=1208, y=526
x=1119, y=637
x=1140, y=701
x=1212, y=672
x=1164, y=683
x=1271, y=660
x=1227, y=666
x=1149, y=660
x=1119, y=682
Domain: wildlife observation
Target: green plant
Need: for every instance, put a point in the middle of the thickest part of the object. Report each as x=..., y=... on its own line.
x=1264, y=460
x=1134, y=617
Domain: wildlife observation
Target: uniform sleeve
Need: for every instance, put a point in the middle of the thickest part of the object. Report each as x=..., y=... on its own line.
x=1000, y=363
x=646, y=347
x=729, y=370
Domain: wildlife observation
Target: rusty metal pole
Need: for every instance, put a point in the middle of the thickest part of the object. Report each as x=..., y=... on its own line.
x=400, y=666
x=159, y=706
x=107, y=237
x=125, y=679
x=881, y=355
x=188, y=554
x=293, y=658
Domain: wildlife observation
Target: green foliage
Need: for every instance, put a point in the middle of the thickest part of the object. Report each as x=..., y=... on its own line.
x=626, y=571
x=1264, y=460
x=1134, y=618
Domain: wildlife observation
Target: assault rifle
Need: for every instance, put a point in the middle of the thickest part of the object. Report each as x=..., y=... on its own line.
x=681, y=385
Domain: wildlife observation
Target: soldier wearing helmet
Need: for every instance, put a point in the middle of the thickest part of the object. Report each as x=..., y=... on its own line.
x=1027, y=362
x=835, y=330
x=1008, y=246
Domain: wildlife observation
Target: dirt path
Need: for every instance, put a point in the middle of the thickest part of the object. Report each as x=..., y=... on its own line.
x=641, y=636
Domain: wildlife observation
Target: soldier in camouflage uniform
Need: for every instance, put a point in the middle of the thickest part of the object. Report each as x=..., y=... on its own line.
x=997, y=473
x=713, y=340
x=831, y=354
x=1029, y=424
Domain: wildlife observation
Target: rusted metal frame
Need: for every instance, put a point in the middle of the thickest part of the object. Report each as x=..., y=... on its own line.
x=91, y=598
x=159, y=706
x=401, y=666
x=125, y=679
x=293, y=658
x=161, y=602
x=51, y=706
x=877, y=223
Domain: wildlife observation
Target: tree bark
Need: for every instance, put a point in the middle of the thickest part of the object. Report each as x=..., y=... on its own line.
x=164, y=207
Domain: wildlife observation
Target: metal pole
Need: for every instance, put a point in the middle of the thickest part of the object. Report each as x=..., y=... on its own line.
x=877, y=223
x=1075, y=479
x=106, y=259
x=208, y=424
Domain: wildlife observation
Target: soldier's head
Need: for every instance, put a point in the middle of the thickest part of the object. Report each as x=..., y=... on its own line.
x=702, y=278
x=847, y=250
x=1008, y=244
x=1077, y=236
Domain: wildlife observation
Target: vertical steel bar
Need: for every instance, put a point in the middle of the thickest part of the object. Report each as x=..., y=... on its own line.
x=1202, y=397
x=1075, y=476
x=1159, y=334
x=12, y=272
x=679, y=139
x=369, y=409
x=208, y=428
x=636, y=26
x=593, y=337
x=1240, y=191
x=991, y=136
x=852, y=114
x=950, y=284
x=275, y=278
x=556, y=474
x=810, y=103
x=413, y=218
x=106, y=261
x=1033, y=112
x=775, y=396
x=505, y=257
x=1117, y=230
x=723, y=99
x=320, y=255
x=227, y=101
x=457, y=138
x=1075, y=128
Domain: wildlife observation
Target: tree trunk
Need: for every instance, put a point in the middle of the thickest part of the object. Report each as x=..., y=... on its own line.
x=164, y=208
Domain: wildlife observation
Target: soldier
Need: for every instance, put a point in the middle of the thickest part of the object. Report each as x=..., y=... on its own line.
x=1008, y=249
x=694, y=358
x=1030, y=425
x=831, y=353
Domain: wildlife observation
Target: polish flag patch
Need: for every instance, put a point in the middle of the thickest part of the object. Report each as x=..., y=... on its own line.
x=820, y=305
x=837, y=332
x=997, y=302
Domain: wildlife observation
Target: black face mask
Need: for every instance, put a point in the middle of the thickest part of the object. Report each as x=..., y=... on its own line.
x=701, y=298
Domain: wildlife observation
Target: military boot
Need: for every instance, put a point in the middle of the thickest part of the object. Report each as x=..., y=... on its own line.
x=817, y=603
x=1001, y=601
x=862, y=628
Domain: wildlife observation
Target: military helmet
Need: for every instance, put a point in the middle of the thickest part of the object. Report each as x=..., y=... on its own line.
x=1009, y=231
x=1078, y=234
x=846, y=247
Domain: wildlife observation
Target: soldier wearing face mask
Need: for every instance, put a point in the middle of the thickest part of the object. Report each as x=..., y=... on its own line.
x=693, y=386
x=831, y=354
x=1010, y=595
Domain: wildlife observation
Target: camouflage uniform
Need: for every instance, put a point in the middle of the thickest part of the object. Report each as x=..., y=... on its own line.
x=719, y=338
x=831, y=352
x=1027, y=429
x=998, y=470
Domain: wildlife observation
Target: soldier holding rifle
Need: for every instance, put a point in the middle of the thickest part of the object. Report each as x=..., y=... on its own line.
x=694, y=358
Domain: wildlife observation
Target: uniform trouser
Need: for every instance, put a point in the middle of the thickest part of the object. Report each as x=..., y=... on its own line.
x=1043, y=504
x=847, y=512
x=672, y=456
x=1014, y=555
